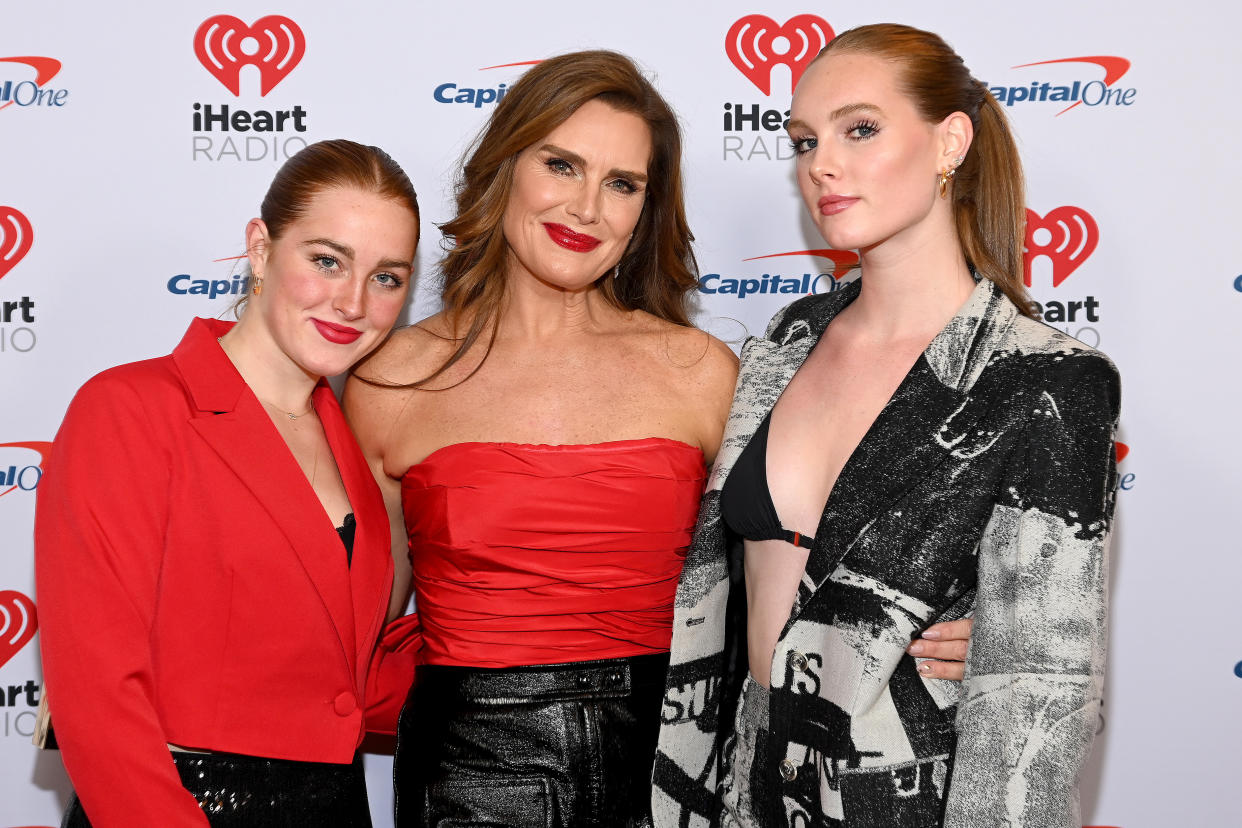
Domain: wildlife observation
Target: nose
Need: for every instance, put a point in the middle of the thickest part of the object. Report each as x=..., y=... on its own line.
x=584, y=205
x=822, y=164
x=350, y=300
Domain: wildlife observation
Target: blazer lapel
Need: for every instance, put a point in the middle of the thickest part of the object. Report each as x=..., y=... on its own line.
x=924, y=423
x=233, y=422
x=370, y=575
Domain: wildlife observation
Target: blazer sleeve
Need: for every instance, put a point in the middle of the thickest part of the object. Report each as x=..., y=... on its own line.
x=1035, y=668
x=99, y=528
x=392, y=672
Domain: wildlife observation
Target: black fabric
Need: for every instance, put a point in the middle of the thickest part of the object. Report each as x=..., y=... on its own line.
x=252, y=792
x=551, y=746
x=746, y=501
x=346, y=532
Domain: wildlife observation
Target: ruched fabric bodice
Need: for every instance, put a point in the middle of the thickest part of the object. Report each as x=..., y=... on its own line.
x=538, y=554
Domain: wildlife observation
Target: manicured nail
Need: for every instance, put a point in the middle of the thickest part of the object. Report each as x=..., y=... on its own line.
x=915, y=648
x=925, y=668
x=934, y=635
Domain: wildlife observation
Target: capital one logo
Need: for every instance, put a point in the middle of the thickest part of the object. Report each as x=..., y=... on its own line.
x=18, y=623
x=16, y=236
x=274, y=45
x=756, y=43
x=1066, y=235
x=32, y=93
x=25, y=476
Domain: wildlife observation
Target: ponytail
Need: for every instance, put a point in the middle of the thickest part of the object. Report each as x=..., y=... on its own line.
x=989, y=203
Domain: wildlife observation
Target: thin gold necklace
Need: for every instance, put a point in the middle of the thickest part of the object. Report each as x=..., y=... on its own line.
x=288, y=414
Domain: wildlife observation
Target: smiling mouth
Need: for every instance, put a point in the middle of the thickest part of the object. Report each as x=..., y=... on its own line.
x=568, y=239
x=336, y=334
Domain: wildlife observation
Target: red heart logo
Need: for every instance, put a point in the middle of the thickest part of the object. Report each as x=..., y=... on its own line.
x=1072, y=237
x=751, y=45
x=16, y=236
x=1122, y=450
x=18, y=623
x=221, y=46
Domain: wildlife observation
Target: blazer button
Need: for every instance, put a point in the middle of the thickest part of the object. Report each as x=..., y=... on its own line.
x=345, y=704
x=797, y=660
x=788, y=771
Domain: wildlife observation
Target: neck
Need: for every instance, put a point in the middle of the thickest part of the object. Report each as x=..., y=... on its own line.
x=267, y=370
x=912, y=288
x=535, y=309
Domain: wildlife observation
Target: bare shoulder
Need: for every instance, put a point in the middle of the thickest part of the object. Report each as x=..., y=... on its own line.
x=696, y=356
x=409, y=354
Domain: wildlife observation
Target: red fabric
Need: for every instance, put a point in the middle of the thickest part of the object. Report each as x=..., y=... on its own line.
x=531, y=554
x=191, y=588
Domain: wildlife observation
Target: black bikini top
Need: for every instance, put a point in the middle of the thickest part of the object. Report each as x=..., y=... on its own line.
x=746, y=502
x=346, y=533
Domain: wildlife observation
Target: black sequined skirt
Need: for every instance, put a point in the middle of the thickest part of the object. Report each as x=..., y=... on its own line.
x=552, y=746
x=252, y=792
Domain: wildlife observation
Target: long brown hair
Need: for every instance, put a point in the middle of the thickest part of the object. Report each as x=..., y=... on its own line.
x=325, y=165
x=989, y=206
x=658, y=269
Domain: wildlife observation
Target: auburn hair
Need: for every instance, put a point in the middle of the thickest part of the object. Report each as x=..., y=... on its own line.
x=657, y=270
x=988, y=193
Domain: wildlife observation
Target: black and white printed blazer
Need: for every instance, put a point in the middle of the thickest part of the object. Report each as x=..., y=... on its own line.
x=986, y=484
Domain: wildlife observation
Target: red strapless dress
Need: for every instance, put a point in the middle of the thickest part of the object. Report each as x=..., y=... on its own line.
x=534, y=554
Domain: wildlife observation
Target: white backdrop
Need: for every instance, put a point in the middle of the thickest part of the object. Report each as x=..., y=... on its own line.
x=117, y=209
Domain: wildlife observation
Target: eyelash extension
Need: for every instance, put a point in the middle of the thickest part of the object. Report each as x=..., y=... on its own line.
x=800, y=146
x=871, y=126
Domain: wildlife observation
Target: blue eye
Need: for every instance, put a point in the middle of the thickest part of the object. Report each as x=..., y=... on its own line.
x=803, y=145
x=559, y=165
x=325, y=262
x=389, y=280
x=863, y=130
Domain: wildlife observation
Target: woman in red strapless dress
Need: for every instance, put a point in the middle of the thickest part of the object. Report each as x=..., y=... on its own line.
x=547, y=435
x=549, y=448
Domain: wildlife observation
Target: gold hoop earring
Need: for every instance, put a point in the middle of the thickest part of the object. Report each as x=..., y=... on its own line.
x=946, y=175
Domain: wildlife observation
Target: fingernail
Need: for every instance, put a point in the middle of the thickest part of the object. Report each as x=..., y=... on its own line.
x=932, y=634
x=925, y=668
x=915, y=648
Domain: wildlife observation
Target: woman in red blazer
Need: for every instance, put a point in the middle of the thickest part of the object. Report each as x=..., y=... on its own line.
x=212, y=553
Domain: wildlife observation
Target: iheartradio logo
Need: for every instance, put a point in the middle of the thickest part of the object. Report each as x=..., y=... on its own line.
x=274, y=45
x=756, y=43
x=16, y=236
x=1069, y=235
x=18, y=623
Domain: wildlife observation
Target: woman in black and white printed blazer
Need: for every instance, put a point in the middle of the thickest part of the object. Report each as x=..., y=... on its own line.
x=904, y=451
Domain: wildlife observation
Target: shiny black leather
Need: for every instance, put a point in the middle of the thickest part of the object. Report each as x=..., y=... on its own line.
x=553, y=746
x=252, y=792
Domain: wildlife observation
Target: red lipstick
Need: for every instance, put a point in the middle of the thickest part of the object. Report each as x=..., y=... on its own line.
x=568, y=239
x=337, y=334
x=830, y=205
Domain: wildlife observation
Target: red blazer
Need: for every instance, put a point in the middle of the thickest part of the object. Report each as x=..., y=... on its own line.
x=192, y=590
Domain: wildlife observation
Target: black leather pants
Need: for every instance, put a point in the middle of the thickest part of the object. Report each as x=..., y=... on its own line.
x=252, y=792
x=552, y=746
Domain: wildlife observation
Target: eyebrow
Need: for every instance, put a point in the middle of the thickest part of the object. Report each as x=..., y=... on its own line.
x=575, y=158
x=840, y=112
x=348, y=252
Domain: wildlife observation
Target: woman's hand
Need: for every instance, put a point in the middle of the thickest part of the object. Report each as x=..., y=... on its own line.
x=944, y=647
